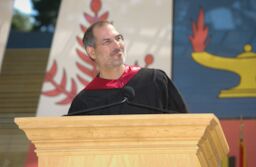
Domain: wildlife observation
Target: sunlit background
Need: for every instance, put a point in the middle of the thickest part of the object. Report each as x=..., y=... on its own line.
x=24, y=6
x=231, y=25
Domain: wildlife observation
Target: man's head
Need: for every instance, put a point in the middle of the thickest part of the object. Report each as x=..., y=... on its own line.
x=104, y=44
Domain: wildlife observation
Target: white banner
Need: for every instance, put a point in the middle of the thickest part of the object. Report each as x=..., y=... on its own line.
x=147, y=29
x=6, y=10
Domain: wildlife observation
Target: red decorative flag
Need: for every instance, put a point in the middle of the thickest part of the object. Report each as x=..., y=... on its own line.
x=242, y=152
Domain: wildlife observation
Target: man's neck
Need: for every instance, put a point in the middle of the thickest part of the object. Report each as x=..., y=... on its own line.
x=112, y=74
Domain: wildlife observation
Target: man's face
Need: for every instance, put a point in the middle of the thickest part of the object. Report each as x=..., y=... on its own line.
x=109, y=50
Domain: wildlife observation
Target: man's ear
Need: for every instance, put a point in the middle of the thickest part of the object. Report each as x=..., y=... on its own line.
x=91, y=52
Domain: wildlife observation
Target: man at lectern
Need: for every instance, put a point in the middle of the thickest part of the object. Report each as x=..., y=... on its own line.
x=119, y=88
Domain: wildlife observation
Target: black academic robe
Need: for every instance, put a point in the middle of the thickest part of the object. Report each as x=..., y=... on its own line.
x=152, y=87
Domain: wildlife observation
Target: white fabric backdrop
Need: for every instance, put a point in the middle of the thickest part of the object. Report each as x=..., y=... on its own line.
x=6, y=10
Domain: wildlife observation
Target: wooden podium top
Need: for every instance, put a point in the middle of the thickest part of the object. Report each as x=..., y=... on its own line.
x=199, y=134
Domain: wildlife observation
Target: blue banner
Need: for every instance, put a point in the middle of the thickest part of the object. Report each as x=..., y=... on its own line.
x=214, y=59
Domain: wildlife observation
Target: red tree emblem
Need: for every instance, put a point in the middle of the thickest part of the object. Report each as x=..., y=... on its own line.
x=60, y=88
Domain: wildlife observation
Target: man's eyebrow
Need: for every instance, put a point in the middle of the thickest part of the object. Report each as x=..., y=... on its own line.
x=118, y=35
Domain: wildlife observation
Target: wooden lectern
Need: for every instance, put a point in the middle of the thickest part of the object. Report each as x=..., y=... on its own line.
x=159, y=140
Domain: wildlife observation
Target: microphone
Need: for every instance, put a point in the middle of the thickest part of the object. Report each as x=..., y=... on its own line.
x=129, y=93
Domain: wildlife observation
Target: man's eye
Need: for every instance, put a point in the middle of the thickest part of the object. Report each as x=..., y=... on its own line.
x=120, y=37
x=106, y=42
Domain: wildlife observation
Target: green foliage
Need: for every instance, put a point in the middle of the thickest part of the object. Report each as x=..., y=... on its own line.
x=21, y=22
x=47, y=10
x=44, y=19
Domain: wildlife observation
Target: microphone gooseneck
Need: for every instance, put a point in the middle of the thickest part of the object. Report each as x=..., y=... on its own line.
x=128, y=94
x=85, y=111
